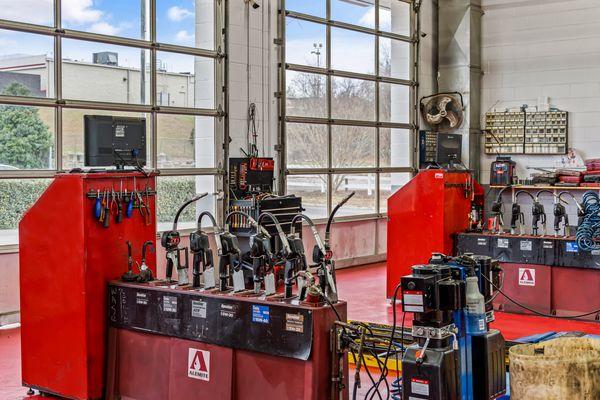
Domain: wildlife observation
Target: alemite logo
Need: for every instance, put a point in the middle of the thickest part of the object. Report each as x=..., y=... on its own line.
x=199, y=364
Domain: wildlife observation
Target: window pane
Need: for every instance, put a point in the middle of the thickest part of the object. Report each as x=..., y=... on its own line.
x=394, y=58
x=186, y=141
x=363, y=201
x=105, y=72
x=73, y=130
x=394, y=103
x=394, y=16
x=389, y=184
x=39, y=12
x=311, y=7
x=305, y=43
x=26, y=64
x=313, y=190
x=106, y=17
x=173, y=191
x=395, y=147
x=352, y=51
x=176, y=83
x=306, y=145
x=353, y=12
x=186, y=23
x=27, y=138
x=353, y=146
x=353, y=99
x=16, y=196
x=306, y=94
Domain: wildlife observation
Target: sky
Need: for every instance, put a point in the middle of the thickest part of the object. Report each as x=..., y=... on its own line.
x=351, y=51
x=175, y=25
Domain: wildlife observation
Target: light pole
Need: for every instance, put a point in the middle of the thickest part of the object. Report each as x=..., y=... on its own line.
x=317, y=52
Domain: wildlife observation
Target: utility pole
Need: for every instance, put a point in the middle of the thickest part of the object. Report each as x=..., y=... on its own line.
x=317, y=52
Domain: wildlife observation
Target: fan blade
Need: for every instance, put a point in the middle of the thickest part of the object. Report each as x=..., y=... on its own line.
x=443, y=103
x=434, y=119
x=453, y=118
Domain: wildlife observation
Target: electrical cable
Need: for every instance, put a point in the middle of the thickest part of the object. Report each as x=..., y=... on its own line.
x=535, y=311
x=497, y=292
x=383, y=375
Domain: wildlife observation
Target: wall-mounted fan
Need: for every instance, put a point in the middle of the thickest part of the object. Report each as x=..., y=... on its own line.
x=443, y=112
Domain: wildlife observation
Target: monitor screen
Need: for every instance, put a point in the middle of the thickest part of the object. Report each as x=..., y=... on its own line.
x=114, y=141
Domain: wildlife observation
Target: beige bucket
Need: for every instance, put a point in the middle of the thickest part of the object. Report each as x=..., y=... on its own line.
x=559, y=369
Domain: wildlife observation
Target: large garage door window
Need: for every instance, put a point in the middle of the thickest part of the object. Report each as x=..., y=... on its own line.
x=161, y=60
x=346, y=89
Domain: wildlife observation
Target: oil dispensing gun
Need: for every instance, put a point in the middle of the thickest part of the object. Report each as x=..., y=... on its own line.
x=230, y=262
x=145, y=272
x=261, y=255
x=560, y=212
x=170, y=241
x=266, y=273
x=498, y=212
x=287, y=249
x=322, y=255
x=517, y=218
x=203, y=260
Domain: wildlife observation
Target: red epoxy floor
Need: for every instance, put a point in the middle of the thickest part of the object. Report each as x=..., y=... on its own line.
x=363, y=288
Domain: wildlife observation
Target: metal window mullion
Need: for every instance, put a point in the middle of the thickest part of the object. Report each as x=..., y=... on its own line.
x=282, y=98
x=222, y=124
x=153, y=113
x=377, y=109
x=58, y=95
x=329, y=93
x=344, y=25
x=348, y=74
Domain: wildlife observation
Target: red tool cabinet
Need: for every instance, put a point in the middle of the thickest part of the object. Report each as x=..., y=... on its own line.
x=67, y=257
x=414, y=230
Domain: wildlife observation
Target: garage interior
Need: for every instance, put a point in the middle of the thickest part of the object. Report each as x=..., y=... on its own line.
x=293, y=199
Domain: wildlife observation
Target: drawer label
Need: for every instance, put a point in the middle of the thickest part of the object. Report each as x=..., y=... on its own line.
x=198, y=309
x=170, y=304
x=294, y=323
x=526, y=245
x=503, y=243
x=260, y=314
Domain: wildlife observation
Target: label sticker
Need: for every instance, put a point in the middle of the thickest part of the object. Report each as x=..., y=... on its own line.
x=260, y=314
x=526, y=245
x=294, y=323
x=270, y=284
x=409, y=308
x=198, y=309
x=141, y=298
x=572, y=247
x=120, y=131
x=209, y=278
x=238, y=281
x=414, y=297
x=503, y=243
x=419, y=386
x=526, y=277
x=439, y=175
x=595, y=252
x=481, y=241
x=170, y=304
x=228, y=310
x=547, y=244
x=199, y=364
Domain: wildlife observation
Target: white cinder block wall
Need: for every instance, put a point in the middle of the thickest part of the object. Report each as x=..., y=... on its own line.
x=536, y=48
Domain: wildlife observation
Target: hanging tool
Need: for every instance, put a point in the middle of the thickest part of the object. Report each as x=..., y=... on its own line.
x=145, y=272
x=129, y=276
x=128, y=199
x=290, y=252
x=106, y=205
x=98, y=206
x=560, y=212
x=170, y=241
x=202, y=254
x=261, y=255
x=517, y=215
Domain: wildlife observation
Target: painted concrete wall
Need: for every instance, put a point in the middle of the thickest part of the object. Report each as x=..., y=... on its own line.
x=544, y=48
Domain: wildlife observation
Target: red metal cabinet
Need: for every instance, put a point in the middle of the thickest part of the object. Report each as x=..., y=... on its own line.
x=66, y=259
x=528, y=284
x=423, y=216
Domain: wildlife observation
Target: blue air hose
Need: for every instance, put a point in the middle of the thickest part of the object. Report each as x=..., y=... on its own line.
x=589, y=229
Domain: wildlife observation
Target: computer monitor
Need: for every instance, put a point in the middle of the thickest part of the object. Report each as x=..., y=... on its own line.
x=114, y=141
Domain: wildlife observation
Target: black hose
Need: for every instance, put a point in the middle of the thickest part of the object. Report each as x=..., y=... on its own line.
x=210, y=216
x=187, y=203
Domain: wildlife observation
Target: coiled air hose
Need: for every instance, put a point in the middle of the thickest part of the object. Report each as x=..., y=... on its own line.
x=588, y=230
